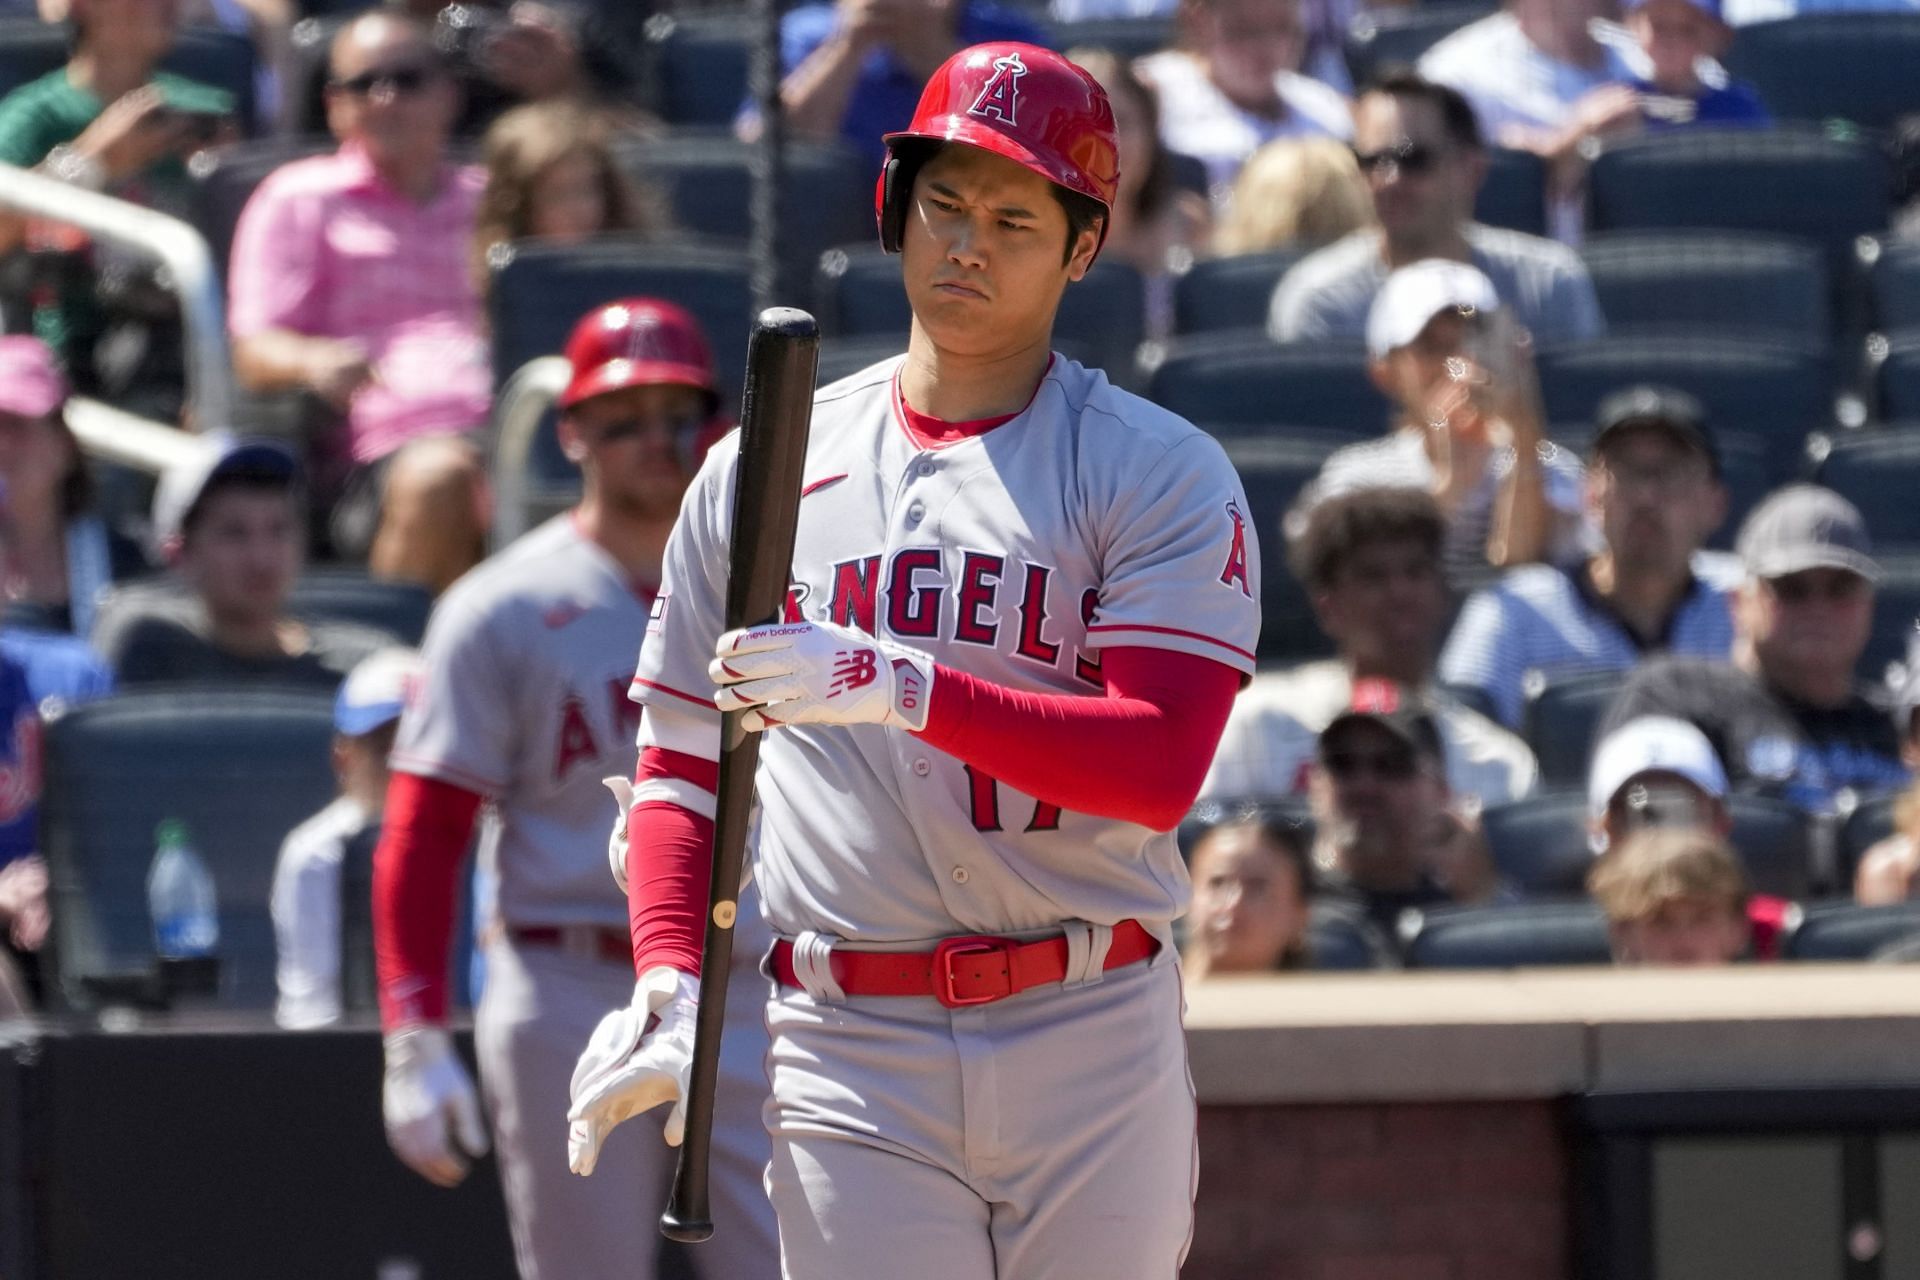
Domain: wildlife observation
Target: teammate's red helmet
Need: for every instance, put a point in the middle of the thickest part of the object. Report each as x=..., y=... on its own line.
x=638, y=342
x=1016, y=100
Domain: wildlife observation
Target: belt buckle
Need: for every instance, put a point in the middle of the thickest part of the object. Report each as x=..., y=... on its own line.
x=968, y=945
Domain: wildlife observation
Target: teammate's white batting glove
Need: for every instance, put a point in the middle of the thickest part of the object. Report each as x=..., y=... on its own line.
x=639, y=1057
x=820, y=673
x=617, y=842
x=428, y=1101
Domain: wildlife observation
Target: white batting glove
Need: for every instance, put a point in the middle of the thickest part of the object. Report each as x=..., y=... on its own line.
x=431, y=1111
x=617, y=842
x=639, y=1057
x=820, y=673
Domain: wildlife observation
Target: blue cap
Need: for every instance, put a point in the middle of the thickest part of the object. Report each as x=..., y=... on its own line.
x=1709, y=7
x=375, y=692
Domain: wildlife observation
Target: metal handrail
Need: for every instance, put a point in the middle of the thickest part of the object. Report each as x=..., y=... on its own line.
x=180, y=250
x=517, y=415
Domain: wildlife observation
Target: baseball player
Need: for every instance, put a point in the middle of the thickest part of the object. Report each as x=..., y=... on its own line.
x=523, y=704
x=1022, y=603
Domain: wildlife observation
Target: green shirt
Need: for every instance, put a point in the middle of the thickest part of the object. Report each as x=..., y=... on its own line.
x=42, y=114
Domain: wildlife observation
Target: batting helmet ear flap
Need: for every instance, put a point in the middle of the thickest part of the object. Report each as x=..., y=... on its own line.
x=892, y=195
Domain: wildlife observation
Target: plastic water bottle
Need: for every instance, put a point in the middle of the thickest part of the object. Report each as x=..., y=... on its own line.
x=180, y=897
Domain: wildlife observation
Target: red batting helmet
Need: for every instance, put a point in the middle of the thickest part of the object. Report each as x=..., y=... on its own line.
x=638, y=342
x=1016, y=100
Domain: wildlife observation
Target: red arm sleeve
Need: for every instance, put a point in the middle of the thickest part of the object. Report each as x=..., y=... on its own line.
x=1138, y=754
x=422, y=841
x=669, y=866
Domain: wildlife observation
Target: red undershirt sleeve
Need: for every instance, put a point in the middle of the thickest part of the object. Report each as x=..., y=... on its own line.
x=669, y=865
x=1139, y=754
x=423, y=839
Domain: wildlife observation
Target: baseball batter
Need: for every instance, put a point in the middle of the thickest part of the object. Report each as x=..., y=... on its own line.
x=524, y=705
x=1022, y=603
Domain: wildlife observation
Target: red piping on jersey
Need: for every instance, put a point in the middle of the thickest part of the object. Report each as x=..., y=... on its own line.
x=423, y=839
x=936, y=433
x=1170, y=631
x=1139, y=754
x=669, y=866
x=706, y=703
x=822, y=483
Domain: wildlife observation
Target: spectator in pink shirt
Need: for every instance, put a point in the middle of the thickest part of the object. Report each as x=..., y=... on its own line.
x=351, y=281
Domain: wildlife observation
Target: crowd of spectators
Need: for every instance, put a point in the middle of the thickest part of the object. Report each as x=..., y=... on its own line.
x=1459, y=553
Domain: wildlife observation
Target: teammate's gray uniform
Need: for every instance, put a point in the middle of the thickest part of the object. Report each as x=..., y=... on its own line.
x=524, y=700
x=1050, y=1134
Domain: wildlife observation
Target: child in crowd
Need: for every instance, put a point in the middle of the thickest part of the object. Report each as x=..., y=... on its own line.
x=1252, y=887
x=1684, y=84
x=1678, y=896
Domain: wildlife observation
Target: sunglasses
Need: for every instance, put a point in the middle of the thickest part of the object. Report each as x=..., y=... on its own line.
x=1835, y=588
x=628, y=428
x=402, y=81
x=1410, y=158
x=1388, y=766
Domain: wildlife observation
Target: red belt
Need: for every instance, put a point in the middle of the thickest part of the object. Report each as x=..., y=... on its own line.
x=968, y=970
x=598, y=941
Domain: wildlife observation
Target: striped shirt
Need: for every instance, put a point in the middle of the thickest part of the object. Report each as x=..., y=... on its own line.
x=1548, y=620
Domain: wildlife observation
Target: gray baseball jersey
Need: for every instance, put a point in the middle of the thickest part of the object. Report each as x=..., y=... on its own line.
x=1092, y=520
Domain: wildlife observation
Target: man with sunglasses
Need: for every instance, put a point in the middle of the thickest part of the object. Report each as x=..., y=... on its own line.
x=1785, y=715
x=1421, y=151
x=1389, y=836
x=351, y=281
x=523, y=704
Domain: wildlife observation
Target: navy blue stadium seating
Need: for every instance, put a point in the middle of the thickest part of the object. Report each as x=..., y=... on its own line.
x=1563, y=711
x=1390, y=35
x=699, y=65
x=1539, y=843
x=1514, y=194
x=1777, y=391
x=1848, y=66
x=1896, y=376
x=1229, y=293
x=1711, y=281
x=240, y=767
x=1848, y=931
x=1246, y=377
x=1789, y=181
x=1345, y=942
x=30, y=49
x=1893, y=279
x=1128, y=37
x=346, y=594
x=1777, y=844
x=1896, y=604
x=1507, y=937
x=1865, y=825
x=1879, y=471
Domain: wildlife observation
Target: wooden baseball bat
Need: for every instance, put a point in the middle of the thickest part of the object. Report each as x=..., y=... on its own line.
x=776, y=407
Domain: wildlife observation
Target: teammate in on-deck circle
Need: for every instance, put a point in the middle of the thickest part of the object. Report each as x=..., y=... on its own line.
x=523, y=705
x=1022, y=603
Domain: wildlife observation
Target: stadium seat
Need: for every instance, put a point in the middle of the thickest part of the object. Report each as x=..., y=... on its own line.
x=1849, y=931
x=1534, y=933
x=1246, y=377
x=541, y=290
x=30, y=49
x=1104, y=315
x=341, y=594
x=225, y=179
x=1711, y=281
x=1879, y=471
x=240, y=767
x=699, y=64
x=1750, y=468
x=310, y=46
x=1896, y=604
x=1539, y=844
x=1514, y=194
x=1273, y=469
x=1776, y=843
x=1563, y=712
x=1865, y=825
x=1896, y=376
x=1400, y=35
x=1789, y=181
x=1344, y=941
x=1848, y=66
x=1229, y=293
x=707, y=178
x=1128, y=37
x=1774, y=390
x=1893, y=279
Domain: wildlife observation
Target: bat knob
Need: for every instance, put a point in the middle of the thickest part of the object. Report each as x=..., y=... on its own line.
x=685, y=1231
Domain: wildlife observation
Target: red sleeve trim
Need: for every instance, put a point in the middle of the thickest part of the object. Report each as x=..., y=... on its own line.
x=1172, y=631
x=698, y=702
x=658, y=762
x=423, y=840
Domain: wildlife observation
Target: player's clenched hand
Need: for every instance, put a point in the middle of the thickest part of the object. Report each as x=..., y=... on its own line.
x=617, y=841
x=820, y=673
x=639, y=1057
x=431, y=1111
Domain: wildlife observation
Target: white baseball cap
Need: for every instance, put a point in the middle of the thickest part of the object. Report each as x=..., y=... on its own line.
x=1652, y=744
x=1415, y=294
x=375, y=692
